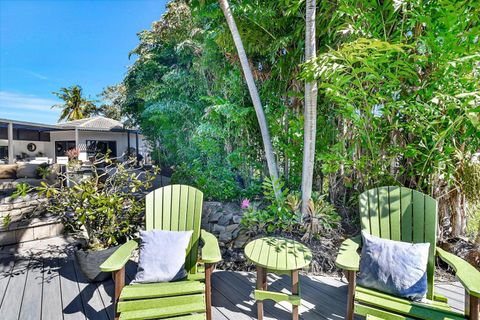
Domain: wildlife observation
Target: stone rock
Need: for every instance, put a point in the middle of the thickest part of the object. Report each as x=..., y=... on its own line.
x=209, y=207
x=231, y=207
x=225, y=237
x=235, y=232
x=5, y=207
x=241, y=241
x=231, y=227
x=225, y=219
x=237, y=218
x=214, y=217
x=218, y=229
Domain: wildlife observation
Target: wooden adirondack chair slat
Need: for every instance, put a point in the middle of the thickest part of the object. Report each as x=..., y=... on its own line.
x=395, y=213
x=178, y=301
x=164, y=289
x=406, y=217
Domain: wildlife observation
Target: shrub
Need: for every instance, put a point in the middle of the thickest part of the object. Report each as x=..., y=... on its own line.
x=109, y=204
x=282, y=214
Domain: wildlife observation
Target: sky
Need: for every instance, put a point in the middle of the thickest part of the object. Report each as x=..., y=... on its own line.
x=46, y=45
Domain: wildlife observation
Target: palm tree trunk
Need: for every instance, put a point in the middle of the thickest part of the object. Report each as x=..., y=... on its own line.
x=310, y=110
x=252, y=88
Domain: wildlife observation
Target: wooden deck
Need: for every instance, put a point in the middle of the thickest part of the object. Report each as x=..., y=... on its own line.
x=40, y=280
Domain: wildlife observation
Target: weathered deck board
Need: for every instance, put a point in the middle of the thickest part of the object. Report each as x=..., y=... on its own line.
x=49, y=286
x=12, y=300
x=52, y=308
x=73, y=308
x=31, y=307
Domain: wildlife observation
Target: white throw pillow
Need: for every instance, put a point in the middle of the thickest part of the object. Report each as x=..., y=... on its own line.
x=162, y=256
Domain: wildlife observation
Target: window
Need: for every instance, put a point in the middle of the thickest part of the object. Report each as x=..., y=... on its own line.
x=3, y=133
x=95, y=147
x=61, y=147
x=3, y=153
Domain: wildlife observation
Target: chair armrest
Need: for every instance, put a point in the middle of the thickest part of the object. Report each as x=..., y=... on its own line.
x=120, y=257
x=211, y=249
x=465, y=272
x=348, y=258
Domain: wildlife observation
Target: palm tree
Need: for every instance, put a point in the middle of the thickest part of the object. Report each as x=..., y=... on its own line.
x=310, y=110
x=75, y=106
x=252, y=88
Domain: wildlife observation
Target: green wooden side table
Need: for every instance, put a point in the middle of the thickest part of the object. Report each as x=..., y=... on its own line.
x=280, y=256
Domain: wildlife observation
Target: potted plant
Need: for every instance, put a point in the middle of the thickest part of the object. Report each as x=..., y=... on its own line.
x=108, y=207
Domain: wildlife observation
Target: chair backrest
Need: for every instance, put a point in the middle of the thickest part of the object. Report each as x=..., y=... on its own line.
x=402, y=214
x=177, y=208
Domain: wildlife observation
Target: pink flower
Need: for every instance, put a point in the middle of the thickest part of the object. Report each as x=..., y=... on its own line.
x=245, y=204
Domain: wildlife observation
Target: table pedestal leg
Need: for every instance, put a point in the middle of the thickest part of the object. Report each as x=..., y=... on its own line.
x=261, y=285
x=294, y=292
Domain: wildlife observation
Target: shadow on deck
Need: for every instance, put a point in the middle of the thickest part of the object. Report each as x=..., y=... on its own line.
x=41, y=280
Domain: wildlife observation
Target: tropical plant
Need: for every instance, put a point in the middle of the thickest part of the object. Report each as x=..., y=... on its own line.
x=109, y=205
x=112, y=98
x=252, y=88
x=74, y=106
x=397, y=97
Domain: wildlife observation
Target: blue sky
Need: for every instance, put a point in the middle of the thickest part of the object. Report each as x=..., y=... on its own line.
x=45, y=45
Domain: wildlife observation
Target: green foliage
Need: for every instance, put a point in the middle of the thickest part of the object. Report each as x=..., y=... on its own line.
x=187, y=92
x=400, y=83
x=398, y=96
x=323, y=214
x=109, y=204
x=74, y=106
x=282, y=214
x=6, y=220
x=43, y=171
x=21, y=190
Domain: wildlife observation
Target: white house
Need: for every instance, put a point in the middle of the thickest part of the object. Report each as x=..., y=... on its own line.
x=26, y=141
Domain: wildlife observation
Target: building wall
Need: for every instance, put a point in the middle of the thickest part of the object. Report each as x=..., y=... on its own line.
x=83, y=136
x=20, y=146
x=48, y=147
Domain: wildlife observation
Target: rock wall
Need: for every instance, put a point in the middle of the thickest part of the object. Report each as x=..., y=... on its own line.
x=223, y=220
x=21, y=207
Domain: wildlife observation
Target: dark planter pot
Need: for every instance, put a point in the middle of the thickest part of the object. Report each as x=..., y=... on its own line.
x=90, y=261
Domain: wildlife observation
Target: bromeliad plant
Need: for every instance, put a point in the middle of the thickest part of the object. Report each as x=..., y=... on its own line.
x=282, y=214
x=109, y=205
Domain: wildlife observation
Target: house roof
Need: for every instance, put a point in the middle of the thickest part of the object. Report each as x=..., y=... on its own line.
x=98, y=123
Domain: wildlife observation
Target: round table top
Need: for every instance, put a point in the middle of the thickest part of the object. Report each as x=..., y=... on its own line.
x=278, y=254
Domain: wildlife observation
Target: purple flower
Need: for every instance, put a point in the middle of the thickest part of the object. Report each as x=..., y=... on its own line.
x=245, y=204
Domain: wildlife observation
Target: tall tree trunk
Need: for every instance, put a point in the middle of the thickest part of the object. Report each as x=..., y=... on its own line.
x=252, y=88
x=310, y=110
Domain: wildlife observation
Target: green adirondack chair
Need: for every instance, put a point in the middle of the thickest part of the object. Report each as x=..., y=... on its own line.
x=175, y=208
x=405, y=215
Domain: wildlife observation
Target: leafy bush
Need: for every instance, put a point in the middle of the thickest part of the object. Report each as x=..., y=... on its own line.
x=282, y=214
x=109, y=204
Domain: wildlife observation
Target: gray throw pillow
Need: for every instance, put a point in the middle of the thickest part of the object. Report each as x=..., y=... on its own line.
x=162, y=256
x=394, y=267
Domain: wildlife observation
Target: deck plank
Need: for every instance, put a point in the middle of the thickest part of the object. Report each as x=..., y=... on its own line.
x=12, y=300
x=106, y=291
x=92, y=302
x=31, y=307
x=240, y=287
x=71, y=298
x=222, y=308
x=52, y=297
x=6, y=265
